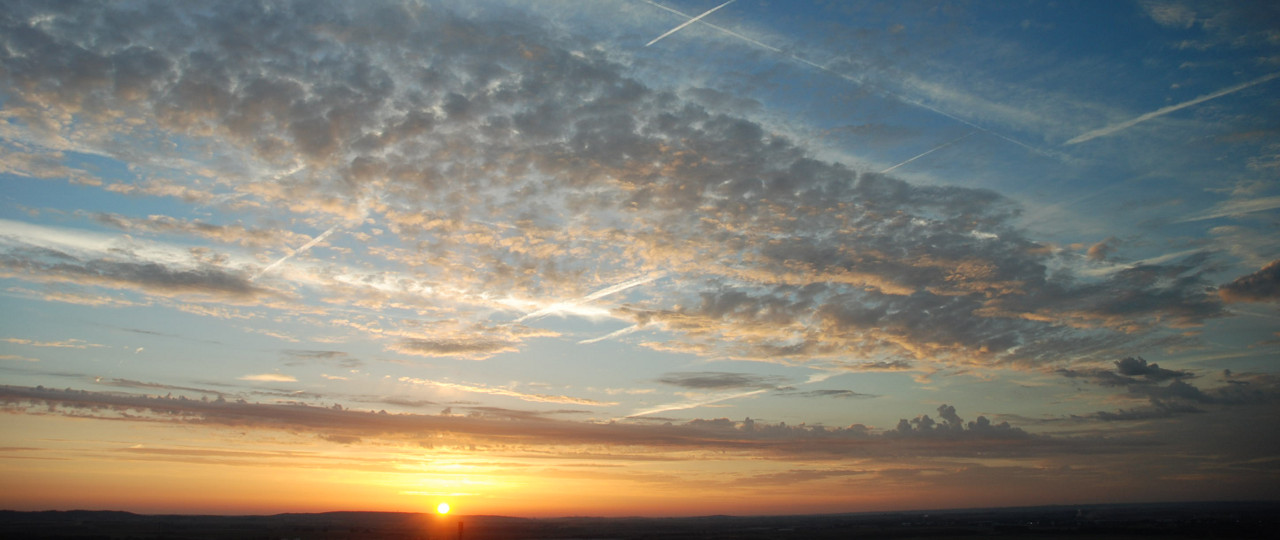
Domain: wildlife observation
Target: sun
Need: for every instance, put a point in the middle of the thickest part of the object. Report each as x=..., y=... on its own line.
x=443, y=508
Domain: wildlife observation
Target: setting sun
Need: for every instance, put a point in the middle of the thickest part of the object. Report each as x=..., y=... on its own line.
x=443, y=508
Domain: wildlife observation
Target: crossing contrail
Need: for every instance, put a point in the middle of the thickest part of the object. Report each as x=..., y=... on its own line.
x=688, y=22
x=844, y=76
x=1103, y=132
x=935, y=149
x=593, y=296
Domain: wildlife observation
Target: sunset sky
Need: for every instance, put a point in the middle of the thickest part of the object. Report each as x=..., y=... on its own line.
x=582, y=258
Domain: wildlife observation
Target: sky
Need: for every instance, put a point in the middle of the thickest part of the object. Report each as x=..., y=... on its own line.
x=669, y=257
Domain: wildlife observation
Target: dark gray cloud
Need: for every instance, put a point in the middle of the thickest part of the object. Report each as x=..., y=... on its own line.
x=1260, y=286
x=824, y=393
x=49, y=265
x=719, y=380
x=129, y=383
x=1168, y=392
x=1138, y=367
x=1129, y=371
x=953, y=427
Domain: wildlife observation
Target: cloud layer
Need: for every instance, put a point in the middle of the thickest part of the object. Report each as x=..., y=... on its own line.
x=508, y=150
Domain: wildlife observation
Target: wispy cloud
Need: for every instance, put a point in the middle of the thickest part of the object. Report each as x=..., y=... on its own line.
x=17, y=358
x=863, y=82
x=67, y=344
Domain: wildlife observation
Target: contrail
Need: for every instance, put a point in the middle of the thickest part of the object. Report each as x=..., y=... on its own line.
x=846, y=77
x=688, y=22
x=363, y=206
x=593, y=296
x=935, y=149
x=293, y=252
x=611, y=335
x=1235, y=208
x=694, y=404
x=1102, y=132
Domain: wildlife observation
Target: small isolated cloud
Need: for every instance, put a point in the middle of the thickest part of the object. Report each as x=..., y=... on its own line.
x=1260, y=286
x=1138, y=367
x=299, y=357
x=477, y=348
x=1129, y=371
x=1100, y=250
x=269, y=377
x=1172, y=14
x=831, y=393
x=719, y=380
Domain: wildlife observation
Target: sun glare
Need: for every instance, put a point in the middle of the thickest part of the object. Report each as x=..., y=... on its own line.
x=443, y=508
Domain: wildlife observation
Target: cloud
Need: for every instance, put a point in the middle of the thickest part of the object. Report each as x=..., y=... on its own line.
x=1169, y=394
x=1100, y=250
x=17, y=358
x=511, y=162
x=1260, y=286
x=269, y=377
x=150, y=277
x=539, y=430
x=47, y=255
x=231, y=234
x=1138, y=367
x=953, y=427
x=476, y=348
x=67, y=344
x=299, y=357
x=1129, y=371
x=718, y=380
x=824, y=393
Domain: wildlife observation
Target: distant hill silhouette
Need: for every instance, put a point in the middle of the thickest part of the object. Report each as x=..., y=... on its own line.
x=1165, y=520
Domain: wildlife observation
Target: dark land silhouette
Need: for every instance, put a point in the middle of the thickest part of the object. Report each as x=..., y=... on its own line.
x=1170, y=520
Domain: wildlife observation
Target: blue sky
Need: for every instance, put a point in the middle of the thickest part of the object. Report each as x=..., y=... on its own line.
x=871, y=248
